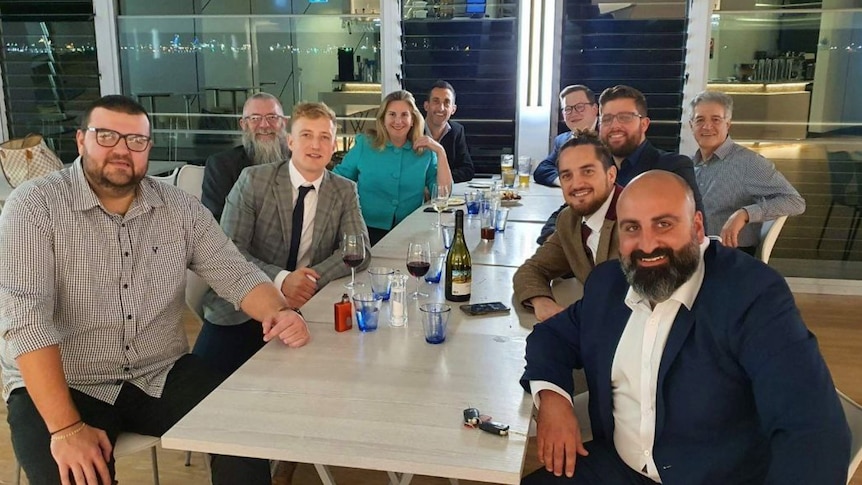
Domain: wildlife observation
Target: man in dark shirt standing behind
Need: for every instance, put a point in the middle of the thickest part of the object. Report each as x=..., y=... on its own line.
x=439, y=109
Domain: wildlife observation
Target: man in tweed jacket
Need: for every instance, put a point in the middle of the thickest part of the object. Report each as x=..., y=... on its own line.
x=258, y=217
x=586, y=232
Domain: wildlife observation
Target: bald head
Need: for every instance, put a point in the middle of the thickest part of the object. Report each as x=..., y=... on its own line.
x=658, y=187
x=660, y=233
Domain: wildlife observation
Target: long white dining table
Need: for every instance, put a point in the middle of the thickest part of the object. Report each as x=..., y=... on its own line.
x=387, y=400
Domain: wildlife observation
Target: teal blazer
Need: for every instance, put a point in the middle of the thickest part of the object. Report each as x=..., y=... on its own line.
x=391, y=182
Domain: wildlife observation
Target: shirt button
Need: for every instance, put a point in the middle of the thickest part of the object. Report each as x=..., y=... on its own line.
x=128, y=317
x=126, y=254
x=127, y=347
x=646, y=452
x=123, y=225
x=394, y=202
x=125, y=286
x=126, y=368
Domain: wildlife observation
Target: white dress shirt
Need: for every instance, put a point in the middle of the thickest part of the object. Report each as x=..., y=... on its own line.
x=595, y=221
x=634, y=372
x=303, y=258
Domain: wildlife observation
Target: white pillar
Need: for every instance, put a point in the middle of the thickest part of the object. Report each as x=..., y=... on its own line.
x=696, y=66
x=107, y=46
x=390, y=37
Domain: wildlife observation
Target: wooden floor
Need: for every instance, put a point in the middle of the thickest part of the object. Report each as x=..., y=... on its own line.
x=834, y=319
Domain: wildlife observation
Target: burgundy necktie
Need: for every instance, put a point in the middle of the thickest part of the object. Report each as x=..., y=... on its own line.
x=585, y=234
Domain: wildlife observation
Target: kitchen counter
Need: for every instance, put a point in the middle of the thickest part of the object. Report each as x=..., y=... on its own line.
x=776, y=110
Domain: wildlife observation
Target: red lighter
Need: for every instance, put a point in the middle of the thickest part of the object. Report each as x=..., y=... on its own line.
x=343, y=314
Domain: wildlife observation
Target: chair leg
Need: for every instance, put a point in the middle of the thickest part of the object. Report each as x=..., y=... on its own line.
x=189, y=458
x=854, y=230
x=155, y=458
x=825, y=223
x=17, y=474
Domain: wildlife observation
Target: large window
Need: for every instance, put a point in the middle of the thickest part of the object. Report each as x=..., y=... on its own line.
x=794, y=71
x=193, y=64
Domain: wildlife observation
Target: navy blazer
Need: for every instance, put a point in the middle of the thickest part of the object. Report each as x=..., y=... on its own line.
x=220, y=174
x=744, y=395
x=547, y=172
x=455, y=144
x=651, y=158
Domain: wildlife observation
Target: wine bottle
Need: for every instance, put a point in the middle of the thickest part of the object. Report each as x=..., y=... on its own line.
x=459, y=267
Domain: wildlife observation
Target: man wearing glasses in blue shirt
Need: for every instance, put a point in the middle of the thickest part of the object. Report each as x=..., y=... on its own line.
x=580, y=111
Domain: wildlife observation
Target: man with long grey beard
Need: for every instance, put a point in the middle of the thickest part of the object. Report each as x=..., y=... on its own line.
x=698, y=364
x=264, y=140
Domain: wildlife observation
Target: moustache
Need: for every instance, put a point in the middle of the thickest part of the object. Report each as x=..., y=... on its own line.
x=637, y=254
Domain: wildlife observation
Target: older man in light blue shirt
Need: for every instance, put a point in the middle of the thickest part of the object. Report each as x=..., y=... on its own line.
x=740, y=188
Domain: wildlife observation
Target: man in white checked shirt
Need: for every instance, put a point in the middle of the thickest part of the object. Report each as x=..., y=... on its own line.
x=740, y=188
x=92, y=281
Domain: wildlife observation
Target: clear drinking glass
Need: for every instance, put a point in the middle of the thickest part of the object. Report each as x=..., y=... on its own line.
x=440, y=199
x=418, y=263
x=352, y=253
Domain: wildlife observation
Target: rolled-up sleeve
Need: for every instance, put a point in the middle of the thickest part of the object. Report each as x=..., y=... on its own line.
x=26, y=274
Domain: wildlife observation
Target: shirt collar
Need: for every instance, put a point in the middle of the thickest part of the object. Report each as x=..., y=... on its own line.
x=720, y=153
x=446, y=129
x=83, y=197
x=685, y=294
x=408, y=145
x=636, y=155
x=297, y=180
x=596, y=220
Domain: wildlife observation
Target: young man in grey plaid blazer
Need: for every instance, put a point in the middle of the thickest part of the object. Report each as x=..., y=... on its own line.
x=261, y=219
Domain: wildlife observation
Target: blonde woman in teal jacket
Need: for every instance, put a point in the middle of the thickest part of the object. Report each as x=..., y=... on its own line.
x=394, y=165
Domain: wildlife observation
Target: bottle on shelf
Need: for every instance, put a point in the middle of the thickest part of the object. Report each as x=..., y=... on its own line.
x=459, y=267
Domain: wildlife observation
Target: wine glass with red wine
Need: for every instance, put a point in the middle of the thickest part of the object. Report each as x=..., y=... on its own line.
x=352, y=253
x=418, y=263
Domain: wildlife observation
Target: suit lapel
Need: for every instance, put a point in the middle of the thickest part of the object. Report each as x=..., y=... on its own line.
x=615, y=322
x=676, y=338
x=282, y=193
x=604, y=249
x=322, y=216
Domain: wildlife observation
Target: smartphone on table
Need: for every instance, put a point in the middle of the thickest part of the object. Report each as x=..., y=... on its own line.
x=484, y=308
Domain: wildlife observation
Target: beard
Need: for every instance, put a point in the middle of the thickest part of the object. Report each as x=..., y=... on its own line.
x=266, y=151
x=105, y=178
x=658, y=284
x=630, y=144
x=591, y=207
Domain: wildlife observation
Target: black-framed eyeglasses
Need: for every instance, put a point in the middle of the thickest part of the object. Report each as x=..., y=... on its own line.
x=623, y=118
x=256, y=119
x=109, y=139
x=579, y=108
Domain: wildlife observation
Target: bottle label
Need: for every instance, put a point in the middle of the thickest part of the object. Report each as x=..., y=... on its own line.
x=461, y=279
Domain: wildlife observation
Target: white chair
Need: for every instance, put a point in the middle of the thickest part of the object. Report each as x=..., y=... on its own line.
x=170, y=178
x=190, y=178
x=853, y=413
x=127, y=444
x=769, y=232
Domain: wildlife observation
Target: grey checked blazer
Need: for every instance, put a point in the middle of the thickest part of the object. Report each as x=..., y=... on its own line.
x=258, y=216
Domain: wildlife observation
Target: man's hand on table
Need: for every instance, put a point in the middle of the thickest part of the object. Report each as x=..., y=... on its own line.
x=558, y=436
x=299, y=286
x=288, y=326
x=545, y=308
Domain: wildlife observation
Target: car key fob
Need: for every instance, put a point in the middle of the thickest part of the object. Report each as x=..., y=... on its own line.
x=494, y=427
x=471, y=416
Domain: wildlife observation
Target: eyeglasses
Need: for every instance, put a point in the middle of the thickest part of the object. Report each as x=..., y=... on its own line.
x=256, y=119
x=701, y=122
x=580, y=107
x=623, y=118
x=109, y=139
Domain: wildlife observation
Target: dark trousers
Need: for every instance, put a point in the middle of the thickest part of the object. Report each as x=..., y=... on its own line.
x=750, y=250
x=189, y=381
x=602, y=466
x=226, y=348
x=375, y=234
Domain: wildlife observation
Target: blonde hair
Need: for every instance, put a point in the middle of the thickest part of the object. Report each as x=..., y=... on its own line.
x=313, y=111
x=379, y=136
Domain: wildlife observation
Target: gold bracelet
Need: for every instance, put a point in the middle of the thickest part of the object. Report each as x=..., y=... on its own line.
x=70, y=433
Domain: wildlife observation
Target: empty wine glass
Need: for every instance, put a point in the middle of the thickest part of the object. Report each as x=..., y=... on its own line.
x=440, y=199
x=352, y=253
x=418, y=263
